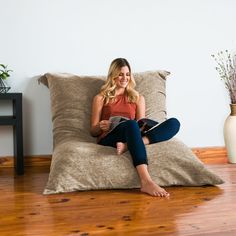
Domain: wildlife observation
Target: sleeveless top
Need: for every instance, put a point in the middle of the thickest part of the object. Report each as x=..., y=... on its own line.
x=120, y=107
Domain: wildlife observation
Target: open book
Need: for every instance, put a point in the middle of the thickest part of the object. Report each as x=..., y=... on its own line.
x=145, y=124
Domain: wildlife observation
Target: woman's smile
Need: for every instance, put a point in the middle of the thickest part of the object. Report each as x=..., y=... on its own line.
x=124, y=76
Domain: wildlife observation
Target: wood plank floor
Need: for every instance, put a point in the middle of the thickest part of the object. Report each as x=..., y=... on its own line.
x=189, y=211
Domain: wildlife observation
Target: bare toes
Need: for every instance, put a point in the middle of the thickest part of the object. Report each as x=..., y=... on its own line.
x=120, y=147
x=154, y=190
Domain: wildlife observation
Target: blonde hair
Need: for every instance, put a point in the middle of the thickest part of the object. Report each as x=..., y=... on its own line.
x=108, y=89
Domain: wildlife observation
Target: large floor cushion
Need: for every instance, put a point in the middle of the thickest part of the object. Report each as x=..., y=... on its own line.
x=88, y=166
x=78, y=163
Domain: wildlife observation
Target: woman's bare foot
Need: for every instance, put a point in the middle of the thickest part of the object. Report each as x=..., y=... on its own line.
x=121, y=147
x=153, y=189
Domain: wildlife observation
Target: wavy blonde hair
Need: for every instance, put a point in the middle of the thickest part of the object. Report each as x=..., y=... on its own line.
x=108, y=89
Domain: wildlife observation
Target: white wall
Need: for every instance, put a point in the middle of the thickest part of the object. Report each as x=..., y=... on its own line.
x=83, y=36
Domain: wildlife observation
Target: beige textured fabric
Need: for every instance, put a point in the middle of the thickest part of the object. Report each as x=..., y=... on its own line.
x=71, y=99
x=78, y=163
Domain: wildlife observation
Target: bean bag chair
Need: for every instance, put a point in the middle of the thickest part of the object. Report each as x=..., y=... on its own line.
x=78, y=163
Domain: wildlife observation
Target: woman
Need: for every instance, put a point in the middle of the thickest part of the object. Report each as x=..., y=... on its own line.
x=118, y=97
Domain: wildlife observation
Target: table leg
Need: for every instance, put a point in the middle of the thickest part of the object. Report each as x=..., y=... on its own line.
x=18, y=136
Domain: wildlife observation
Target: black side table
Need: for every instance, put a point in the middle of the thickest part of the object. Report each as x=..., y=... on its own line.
x=16, y=121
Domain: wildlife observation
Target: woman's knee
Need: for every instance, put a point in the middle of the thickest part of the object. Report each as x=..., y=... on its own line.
x=173, y=124
x=132, y=124
x=132, y=128
x=165, y=131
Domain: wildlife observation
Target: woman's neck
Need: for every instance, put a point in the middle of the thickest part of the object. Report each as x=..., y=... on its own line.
x=120, y=92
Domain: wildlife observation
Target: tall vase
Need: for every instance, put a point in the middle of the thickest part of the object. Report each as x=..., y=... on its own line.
x=230, y=134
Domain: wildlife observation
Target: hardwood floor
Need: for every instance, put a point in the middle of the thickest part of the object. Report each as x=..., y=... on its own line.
x=189, y=211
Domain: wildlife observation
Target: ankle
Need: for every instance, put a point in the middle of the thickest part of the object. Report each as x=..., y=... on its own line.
x=146, y=181
x=146, y=140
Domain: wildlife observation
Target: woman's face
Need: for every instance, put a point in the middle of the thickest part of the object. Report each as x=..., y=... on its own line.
x=124, y=76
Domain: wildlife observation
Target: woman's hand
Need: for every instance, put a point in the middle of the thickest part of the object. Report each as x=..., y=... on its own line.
x=104, y=125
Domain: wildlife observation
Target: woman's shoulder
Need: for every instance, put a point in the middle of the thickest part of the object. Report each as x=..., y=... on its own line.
x=98, y=98
x=140, y=96
x=140, y=99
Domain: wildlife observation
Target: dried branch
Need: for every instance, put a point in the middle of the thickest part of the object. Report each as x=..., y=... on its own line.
x=226, y=67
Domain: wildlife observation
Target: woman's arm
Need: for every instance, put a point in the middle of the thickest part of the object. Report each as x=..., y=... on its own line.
x=140, y=113
x=97, y=126
x=96, y=115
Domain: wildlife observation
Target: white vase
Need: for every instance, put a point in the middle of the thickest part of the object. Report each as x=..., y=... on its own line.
x=230, y=134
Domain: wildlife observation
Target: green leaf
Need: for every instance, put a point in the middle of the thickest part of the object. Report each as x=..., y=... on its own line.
x=4, y=73
x=3, y=66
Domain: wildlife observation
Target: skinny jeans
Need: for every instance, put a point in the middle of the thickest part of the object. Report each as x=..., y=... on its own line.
x=128, y=132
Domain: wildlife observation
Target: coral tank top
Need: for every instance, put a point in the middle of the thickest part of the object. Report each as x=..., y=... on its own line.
x=120, y=107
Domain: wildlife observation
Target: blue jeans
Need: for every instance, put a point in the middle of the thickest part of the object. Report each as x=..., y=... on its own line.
x=128, y=132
